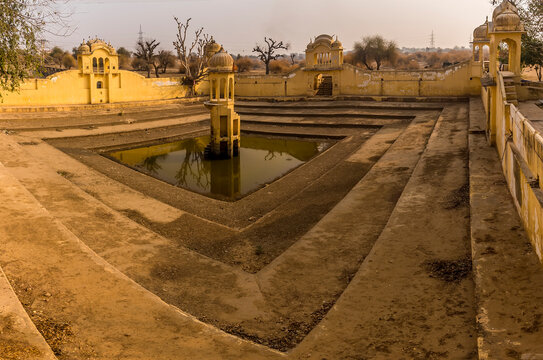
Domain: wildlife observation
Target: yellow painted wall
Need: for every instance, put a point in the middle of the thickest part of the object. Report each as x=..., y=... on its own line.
x=520, y=146
x=81, y=86
x=73, y=87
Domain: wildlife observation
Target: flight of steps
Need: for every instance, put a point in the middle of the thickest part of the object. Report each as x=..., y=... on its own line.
x=510, y=89
x=325, y=88
x=104, y=313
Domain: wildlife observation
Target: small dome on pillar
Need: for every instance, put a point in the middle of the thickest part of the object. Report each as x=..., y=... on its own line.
x=481, y=32
x=221, y=62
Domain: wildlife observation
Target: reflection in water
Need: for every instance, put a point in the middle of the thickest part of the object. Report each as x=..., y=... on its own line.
x=182, y=163
x=151, y=164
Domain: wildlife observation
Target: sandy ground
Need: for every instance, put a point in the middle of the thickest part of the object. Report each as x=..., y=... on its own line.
x=529, y=74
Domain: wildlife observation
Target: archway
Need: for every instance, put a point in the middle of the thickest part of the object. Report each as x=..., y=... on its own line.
x=213, y=89
x=485, y=58
x=323, y=85
x=222, y=94
x=231, y=89
x=477, y=53
x=503, y=56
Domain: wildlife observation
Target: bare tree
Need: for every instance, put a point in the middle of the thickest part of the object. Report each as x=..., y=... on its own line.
x=191, y=54
x=293, y=59
x=267, y=53
x=145, y=51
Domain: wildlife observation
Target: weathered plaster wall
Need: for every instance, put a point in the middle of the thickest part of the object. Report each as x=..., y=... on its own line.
x=350, y=80
x=68, y=87
x=520, y=147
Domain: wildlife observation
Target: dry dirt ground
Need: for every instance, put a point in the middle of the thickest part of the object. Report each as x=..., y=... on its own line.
x=365, y=252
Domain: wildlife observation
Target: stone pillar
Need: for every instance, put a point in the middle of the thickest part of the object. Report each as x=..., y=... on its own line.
x=225, y=122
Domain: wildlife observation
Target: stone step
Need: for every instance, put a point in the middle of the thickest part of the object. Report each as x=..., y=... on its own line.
x=19, y=338
x=511, y=96
x=508, y=274
x=99, y=312
x=393, y=295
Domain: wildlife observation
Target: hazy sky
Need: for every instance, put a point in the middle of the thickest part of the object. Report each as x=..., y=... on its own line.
x=239, y=24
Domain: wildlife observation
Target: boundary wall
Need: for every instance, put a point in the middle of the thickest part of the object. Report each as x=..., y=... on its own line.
x=455, y=80
x=73, y=87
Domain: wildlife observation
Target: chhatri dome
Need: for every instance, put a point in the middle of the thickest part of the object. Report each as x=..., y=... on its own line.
x=326, y=40
x=221, y=61
x=84, y=49
x=506, y=18
x=337, y=44
x=94, y=44
x=481, y=32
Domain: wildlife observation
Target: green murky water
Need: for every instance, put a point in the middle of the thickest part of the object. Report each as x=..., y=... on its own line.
x=261, y=161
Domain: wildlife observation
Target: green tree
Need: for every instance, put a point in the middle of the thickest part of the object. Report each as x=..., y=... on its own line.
x=124, y=58
x=123, y=52
x=375, y=49
x=68, y=60
x=56, y=54
x=531, y=13
x=21, y=23
x=532, y=53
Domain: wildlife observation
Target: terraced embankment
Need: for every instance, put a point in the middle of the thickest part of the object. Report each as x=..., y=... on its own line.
x=366, y=251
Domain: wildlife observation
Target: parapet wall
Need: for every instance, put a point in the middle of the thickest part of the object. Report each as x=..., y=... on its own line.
x=520, y=147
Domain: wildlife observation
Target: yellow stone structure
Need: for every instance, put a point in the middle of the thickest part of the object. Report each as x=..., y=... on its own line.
x=324, y=57
x=324, y=53
x=506, y=27
x=326, y=74
x=97, y=80
x=225, y=122
x=481, y=41
x=99, y=63
x=518, y=142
